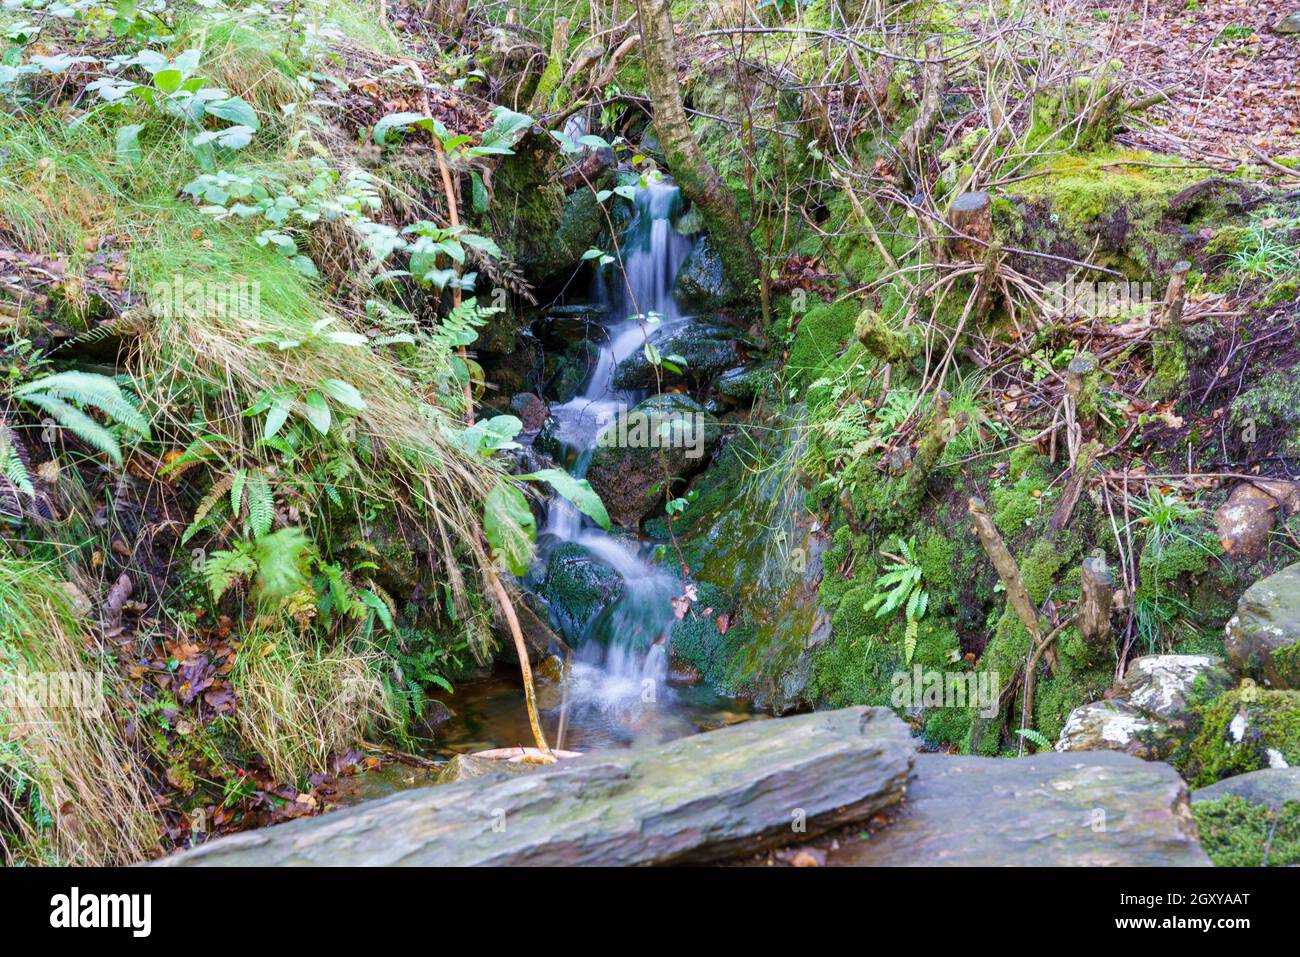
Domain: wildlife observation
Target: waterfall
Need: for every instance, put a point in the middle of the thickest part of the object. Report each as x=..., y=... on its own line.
x=621, y=662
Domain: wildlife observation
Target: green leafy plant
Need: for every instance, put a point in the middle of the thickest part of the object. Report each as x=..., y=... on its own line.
x=901, y=587
x=64, y=396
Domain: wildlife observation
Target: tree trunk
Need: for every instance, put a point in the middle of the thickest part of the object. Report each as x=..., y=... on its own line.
x=699, y=182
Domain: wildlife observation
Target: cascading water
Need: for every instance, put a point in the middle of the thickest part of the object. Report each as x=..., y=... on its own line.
x=621, y=661
x=616, y=691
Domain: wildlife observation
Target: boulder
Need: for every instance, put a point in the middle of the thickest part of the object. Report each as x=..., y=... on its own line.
x=701, y=285
x=1169, y=687
x=1263, y=637
x=1150, y=710
x=562, y=326
x=1115, y=726
x=1082, y=810
x=566, y=371
x=1244, y=521
x=633, y=455
x=700, y=798
x=1244, y=730
x=744, y=384
x=530, y=409
x=578, y=587
x=705, y=351
x=1270, y=787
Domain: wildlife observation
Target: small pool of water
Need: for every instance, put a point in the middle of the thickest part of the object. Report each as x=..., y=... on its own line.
x=599, y=711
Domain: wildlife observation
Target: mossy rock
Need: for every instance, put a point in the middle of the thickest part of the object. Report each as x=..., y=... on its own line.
x=634, y=458
x=1243, y=730
x=707, y=351
x=577, y=587
x=701, y=285
x=1238, y=833
x=744, y=384
x=1263, y=638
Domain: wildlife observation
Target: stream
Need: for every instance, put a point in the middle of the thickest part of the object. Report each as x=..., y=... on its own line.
x=618, y=692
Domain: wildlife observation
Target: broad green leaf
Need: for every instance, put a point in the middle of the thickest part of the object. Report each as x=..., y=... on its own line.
x=317, y=412
x=509, y=526
x=576, y=490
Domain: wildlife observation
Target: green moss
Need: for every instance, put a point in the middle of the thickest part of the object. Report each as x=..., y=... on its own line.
x=1237, y=833
x=1040, y=567
x=1019, y=505
x=1269, y=721
x=823, y=332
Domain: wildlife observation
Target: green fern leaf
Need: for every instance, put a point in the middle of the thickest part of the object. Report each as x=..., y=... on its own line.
x=237, y=491
x=80, y=424
x=1036, y=737
x=909, y=640
x=261, y=504
x=215, y=495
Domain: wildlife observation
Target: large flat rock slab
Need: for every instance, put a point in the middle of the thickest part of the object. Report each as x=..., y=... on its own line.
x=1084, y=809
x=700, y=798
x=1271, y=787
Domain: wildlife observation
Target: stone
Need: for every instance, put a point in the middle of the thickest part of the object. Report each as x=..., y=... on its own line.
x=1092, y=809
x=531, y=410
x=708, y=352
x=701, y=285
x=1114, y=726
x=1244, y=521
x=1150, y=710
x=1263, y=637
x=744, y=384
x=1289, y=25
x=700, y=798
x=577, y=587
x=632, y=458
x=1169, y=687
x=566, y=371
x=1270, y=787
x=562, y=326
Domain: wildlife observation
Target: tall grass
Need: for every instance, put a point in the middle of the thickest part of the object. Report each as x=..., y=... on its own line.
x=71, y=791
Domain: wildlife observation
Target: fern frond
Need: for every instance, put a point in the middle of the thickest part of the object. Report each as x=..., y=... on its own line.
x=237, y=491
x=261, y=504
x=80, y=424
x=88, y=388
x=12, y=464
x=215, y=495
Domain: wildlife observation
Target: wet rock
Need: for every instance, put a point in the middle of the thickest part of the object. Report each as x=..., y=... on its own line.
x=683, y=674
x=1244, y=521
x=470, y=767
x=633, y=454
x=708, y=351
x=700, y=798
x=531, y=410
x=1269, y=787
x=562, y=326
x=701, y=285
x=566, y=371
x=578, y=587
x=1097, y=809
x=1263, y=637
x=1151, y=709
x=744, y=384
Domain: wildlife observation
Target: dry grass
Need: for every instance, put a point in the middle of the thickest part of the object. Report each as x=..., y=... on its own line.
x=70, y=789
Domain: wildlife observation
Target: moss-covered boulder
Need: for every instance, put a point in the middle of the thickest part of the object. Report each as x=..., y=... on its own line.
x=1236, y=832
x=693, y=353
x=1263, y=639
x=566, y=371
x=656, y=444
x=1151, y=710
x=1243, y=730
x=578, y=587
x=701, y=285
x=744, y=384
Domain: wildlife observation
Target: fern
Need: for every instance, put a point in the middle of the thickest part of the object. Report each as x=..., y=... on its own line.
x=901, y=587
x=224, y=568
x=261, y=504
x=216, y=495
x=1035, y=737
x=12, y=464
x=63, y=395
